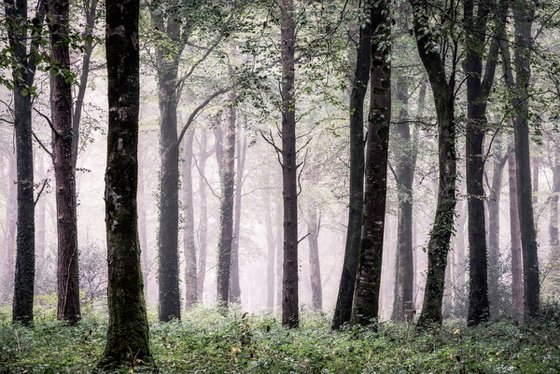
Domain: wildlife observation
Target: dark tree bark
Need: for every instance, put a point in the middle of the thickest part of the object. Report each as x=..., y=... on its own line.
x=168, y=65
x=442, y=229
x=343, y=308
x=23, y=39
x=68, y=282
x=403, y=307
x=203, y=212
x=515, y=232
x=225, y=151
x=494, y=198
x=368, y=277
x=313, y=227
x=523, y=14
x=290, y=297
x=241, y=147
x=188, y=212
x=478, y=89
x=127, y=335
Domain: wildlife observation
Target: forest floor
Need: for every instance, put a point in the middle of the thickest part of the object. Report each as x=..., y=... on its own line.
x=206, y=342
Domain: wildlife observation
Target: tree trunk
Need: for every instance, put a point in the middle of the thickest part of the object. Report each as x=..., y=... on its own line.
x=203, y=211
x=494, y=198
x=142, y=230
x=40, y=210
x=68, y=282
x=314, y=226
x=554, y=241
x=515, y=232
x=227, y=178
x=188, y=212
x=290, y=300
x=11, y=220
x=403, y=308
x=343, y=308
x=235, y=289
x=23, y=73
x=127, y=335
x=279, y=241
x=535, y=183
x=368, y=277
x=270, y=245
x=523, y=13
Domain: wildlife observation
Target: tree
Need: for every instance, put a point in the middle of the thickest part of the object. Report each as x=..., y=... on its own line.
x=203, y=212
x=188, y=212
x=62, y=139
x=368, y=277
x=343, y=308
x=313, y=222
x=24, y=39
x=290, y=303
x=443, y=91
x=479, y=85
x=127, y=334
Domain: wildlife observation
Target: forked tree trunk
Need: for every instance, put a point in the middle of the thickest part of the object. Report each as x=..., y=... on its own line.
x=368, y=277
x=127, y=334
x=290, y=297
x=68, y=306
x=343, y=308
x=443, y=227
x=188, y=213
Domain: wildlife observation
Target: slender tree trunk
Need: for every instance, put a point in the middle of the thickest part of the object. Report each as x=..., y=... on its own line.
x=523, y=14
x=368, y=277
x=188, y=212
x=61, y=117
x=11, y=220
x=127, y=335
x=279, y=241
x=314, y=226
x=440, y=235
x=235, y=289
x=203, y=211
x=91, y=20
x=554, y=241
x=343, y=308
x=24, y=55
x=515, y=232
x=142, y=231
x=290, y=303
x=40, y=210
x=494, y=198
x=227, y=178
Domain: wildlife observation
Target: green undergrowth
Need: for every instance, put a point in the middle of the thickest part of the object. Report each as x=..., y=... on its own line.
x=207, y=342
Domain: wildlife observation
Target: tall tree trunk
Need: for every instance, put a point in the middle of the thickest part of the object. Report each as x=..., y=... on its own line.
x=279, y=241
x=227, y=178
x=188, y=212
x=343, y=308
x=23, y=74
x=203, y=212
x=554, y=241
x=515, y=232
x=127, y=334
x=290, y=299
x=403, y=308
x=494, y=198
x=235, y=289
x=169, y=295
x=314, y=226
x=523, y=14
x=368, y=277
x=68, y=282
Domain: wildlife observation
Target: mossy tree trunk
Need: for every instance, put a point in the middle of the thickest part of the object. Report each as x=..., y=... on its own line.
x=368, y=277
x=127, y=335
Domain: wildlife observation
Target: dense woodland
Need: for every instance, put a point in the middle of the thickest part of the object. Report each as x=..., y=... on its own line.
x=280, y=186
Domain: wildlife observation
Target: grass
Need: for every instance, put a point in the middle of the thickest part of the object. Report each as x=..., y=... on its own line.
x=206, y=342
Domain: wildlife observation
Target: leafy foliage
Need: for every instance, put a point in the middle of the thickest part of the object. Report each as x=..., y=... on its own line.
x=209, y=342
